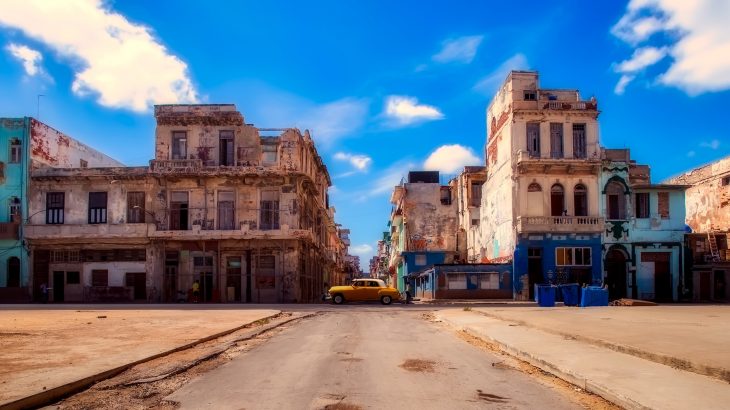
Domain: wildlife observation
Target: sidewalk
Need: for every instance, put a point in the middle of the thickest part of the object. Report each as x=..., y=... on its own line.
x=43, y=350
x=624, y=379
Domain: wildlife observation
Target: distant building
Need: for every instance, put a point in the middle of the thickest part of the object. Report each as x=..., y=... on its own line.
x=29, y=145
x=242, y=211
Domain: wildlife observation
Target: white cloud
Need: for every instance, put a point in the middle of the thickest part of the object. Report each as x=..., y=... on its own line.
x=622, y=83
x=30, y=58
x=714, y=144
x=459, y=50
x=699, y=40
x=389, y=178
x=359, y=162
x=119, y=62
x=489, y=84
x=449, y=159
x=406, y=110
x=361, y=250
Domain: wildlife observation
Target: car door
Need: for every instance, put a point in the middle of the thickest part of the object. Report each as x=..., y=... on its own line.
x=358, y=291
x=372, y=290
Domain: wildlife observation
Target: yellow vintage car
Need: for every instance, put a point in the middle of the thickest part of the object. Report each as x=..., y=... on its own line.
x=364, y=290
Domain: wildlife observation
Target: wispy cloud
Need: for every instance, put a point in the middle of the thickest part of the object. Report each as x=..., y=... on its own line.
x=404, y=110
x=691, y=154
x=119, y=62
x=714, y=144
x=458, y=50
x=358, y=161
x=696, y=37
x=30, y=58
x=449, y=159
x=641, y=58
x=361, y=250
x=489, y=84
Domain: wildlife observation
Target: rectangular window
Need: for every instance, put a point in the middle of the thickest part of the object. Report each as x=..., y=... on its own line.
x=202, y=261
x=663, y=202
x=725, y=181
x=15, y=152
x=100, y=277
x=226, y=212
x=573, y=256
x=457, y=281
x=420, y=260
x=445, y=195
x=225, y=148
x=489, y=280
x=530, y=95
x=83, y=163
x=54, y=207
x=641, y=208
x=135, y=208
x=269, y=153
x=269, y=210
x=179, y=145
x=579, y=141
x=97, y=207
x=73, y=278
x=476, y=194
x=556, y=140
x=15, y=215
x=533, y=139
x=179, y=211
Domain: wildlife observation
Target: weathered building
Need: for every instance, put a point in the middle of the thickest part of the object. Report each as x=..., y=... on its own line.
x=423, y=224
x=29, y=145
x=708, y=197
x=539, y=205
x=644, y=235
x=239, y=211
x=469, y=185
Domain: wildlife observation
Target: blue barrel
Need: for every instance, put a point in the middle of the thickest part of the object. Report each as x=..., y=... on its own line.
x=546, y=295
x=594, y=296
x=571, y=294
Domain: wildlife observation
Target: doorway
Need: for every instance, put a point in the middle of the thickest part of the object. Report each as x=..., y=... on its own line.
x=137, y=281
x=59, y=278
x=616, y=274
x=662, y=280
x=557, y=200
x=534, y=269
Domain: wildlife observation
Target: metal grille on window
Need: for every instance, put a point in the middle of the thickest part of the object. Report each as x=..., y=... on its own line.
x=226, y=211
x=54, y=207
x=97, y=207
x=15, y=152
x=579, y=141
x=533, y=139
x=135, y=207
x=269, y=210
x=556, y=140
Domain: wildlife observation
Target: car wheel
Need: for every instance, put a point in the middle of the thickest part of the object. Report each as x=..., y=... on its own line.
x=338, y=299
x=386, y=300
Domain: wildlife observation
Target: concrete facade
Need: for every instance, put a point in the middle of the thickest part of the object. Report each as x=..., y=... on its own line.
x=423, y=224
x=27, y=144
x=238, y=212
x=540, y=200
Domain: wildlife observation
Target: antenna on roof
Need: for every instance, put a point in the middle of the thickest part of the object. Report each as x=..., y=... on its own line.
x=38, y=107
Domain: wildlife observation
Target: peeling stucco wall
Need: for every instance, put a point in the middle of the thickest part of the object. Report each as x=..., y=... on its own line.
x=430, y=225
x=50, y=147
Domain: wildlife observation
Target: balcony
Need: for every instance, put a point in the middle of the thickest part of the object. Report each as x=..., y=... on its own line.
x=196, y=167
x=122, y=232
x=528, y=164
x=555, y=105
x=9, y=230
x=208, y=232
x=561, y=224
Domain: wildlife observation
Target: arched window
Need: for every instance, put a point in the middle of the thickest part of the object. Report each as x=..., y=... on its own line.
x=580, y=200
x=534, y=187
x=13, y=272
x=615, y=201
x=557, y=200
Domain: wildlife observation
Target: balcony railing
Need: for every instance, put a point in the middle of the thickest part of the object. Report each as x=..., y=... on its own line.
x=565, y=224
x=176, y=165
x=570, y=105
x=9, y=230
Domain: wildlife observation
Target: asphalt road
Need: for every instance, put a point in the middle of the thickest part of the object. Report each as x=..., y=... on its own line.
x=367, y=358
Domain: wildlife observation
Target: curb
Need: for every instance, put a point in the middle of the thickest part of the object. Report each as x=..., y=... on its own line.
x=675, y=362
x=49, y=396
x=564, y=374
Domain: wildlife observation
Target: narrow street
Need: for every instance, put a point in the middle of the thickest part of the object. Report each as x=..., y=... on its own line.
x=356, y=357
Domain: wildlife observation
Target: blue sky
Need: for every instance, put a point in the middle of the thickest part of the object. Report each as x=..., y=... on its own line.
x=384, y=86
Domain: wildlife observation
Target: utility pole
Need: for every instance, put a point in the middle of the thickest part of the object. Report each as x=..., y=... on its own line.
x=38, y=107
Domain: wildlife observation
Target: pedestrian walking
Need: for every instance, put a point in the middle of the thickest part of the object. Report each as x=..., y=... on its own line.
x=409, y=293
x=44, y=292
x=196, y=291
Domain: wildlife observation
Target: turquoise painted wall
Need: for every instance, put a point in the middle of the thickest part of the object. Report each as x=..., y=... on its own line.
x=13, y=185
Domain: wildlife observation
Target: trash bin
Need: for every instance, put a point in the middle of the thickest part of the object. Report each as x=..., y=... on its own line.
x=571, y=294
x=545, y=295
x=594, y=296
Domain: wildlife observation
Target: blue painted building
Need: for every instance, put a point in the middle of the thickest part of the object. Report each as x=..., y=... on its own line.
x=464, y=281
